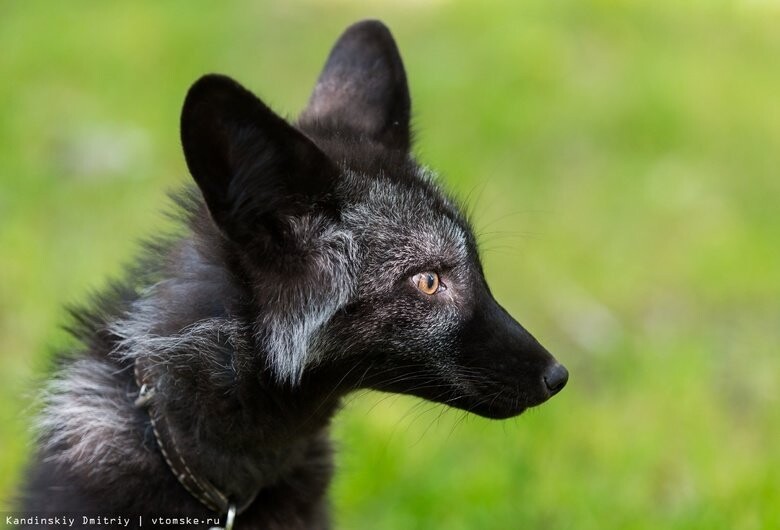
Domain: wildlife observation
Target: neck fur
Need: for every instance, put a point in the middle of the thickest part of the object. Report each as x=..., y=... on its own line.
x=233, y=421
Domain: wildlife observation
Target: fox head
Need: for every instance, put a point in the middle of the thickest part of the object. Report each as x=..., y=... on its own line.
x=352, y=263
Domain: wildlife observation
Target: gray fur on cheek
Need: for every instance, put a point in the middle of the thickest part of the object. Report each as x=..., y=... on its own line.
x=289, y=328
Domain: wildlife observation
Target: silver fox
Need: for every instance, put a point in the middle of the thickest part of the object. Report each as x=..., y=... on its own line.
x=317, y=258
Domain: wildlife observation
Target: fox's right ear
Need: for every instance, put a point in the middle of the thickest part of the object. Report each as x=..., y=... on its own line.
x=251, y=165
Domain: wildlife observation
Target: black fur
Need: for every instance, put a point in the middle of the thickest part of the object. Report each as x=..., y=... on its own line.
x=289, y=288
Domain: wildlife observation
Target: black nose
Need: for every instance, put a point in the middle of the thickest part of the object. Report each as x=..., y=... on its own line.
x=555, y=378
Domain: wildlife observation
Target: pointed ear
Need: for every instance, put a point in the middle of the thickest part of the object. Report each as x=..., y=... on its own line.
x=250, y=164
x=363, y=87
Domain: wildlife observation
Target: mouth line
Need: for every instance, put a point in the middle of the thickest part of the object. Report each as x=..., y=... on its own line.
x=496, y=405
x=501, y=400
x=507, y=393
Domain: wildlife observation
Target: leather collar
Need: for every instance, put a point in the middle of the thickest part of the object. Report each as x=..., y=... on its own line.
x=198, y=486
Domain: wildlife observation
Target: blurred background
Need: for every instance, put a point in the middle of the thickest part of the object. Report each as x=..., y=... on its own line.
x=622, y=163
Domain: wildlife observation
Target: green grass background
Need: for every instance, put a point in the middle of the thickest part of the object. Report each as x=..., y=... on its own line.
x=622, y=160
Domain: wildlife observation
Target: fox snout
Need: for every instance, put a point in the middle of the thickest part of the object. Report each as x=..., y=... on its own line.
x=510, y=371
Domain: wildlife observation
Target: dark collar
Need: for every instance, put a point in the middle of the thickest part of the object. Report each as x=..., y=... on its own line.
x=198, y=486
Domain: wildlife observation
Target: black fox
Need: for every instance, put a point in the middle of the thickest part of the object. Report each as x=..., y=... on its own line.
x=316, y=258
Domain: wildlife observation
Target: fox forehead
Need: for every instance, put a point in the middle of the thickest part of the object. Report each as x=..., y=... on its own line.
x=406, y=225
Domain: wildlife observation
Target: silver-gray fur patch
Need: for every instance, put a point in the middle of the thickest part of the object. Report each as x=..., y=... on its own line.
x=87, y=418
x=292, y=319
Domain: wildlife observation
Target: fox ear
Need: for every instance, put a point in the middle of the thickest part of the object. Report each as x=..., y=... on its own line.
x=250, y=164
x=363, y=87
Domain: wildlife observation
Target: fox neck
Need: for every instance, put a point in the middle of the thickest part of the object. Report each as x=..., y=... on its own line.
x=233, y=421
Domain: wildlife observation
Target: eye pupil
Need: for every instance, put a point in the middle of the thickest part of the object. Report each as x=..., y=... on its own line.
x=427, y=282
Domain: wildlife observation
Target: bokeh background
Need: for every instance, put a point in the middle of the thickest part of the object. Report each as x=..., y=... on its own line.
x=622, y=163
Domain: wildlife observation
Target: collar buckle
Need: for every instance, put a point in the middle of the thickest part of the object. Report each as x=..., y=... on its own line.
x=231, y=517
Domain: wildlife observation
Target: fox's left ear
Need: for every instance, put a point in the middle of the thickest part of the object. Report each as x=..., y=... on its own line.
x=251, y=165
x=363, y=87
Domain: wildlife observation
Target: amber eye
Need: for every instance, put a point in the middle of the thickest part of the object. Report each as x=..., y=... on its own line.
x=427, y=282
